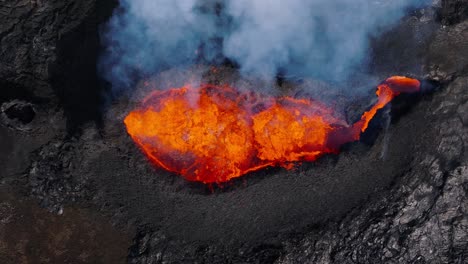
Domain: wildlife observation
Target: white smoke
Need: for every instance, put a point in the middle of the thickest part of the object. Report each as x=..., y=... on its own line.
x=326, y=39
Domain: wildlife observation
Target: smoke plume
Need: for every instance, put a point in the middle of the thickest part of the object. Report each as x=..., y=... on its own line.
x=326, y=39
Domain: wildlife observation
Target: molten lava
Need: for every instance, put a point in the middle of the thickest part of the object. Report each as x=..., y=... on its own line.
x=213, y=134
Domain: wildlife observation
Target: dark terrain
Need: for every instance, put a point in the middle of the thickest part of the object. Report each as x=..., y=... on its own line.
x=74, y=188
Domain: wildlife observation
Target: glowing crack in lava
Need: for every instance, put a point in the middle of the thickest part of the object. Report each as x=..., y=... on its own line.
x=213, y=134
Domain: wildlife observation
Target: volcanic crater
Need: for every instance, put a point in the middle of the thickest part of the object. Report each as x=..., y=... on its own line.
x=192, y=211
x=397, y=195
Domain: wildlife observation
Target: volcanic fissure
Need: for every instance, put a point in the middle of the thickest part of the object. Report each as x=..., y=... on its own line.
x=213, y=134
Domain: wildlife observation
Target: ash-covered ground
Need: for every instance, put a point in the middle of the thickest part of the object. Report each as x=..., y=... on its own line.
x=74, y=188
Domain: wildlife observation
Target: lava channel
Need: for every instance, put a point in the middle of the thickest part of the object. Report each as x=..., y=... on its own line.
x=212, y=134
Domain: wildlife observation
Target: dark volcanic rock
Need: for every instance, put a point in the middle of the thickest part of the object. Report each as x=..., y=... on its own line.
x=49, y=51
x=19, y=111
x=29, y=34
x=52, y=175
x=401, y=199
x=453, y=11
x=30, y=234
x=17, y=114
x=403, y=49
x=420, y=218
x=453, y=61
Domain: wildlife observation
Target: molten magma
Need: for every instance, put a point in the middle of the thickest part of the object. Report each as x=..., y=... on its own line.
x=213, y=134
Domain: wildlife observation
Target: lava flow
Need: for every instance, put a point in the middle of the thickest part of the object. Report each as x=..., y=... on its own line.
x=213, y=134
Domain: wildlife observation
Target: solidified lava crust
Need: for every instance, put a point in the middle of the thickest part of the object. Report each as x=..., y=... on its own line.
x=74, y=175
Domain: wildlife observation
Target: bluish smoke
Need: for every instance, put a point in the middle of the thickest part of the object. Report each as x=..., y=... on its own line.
x=326, y=39
x=145, y=36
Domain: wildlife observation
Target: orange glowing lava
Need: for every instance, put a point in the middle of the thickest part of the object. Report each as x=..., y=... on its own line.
x=213, y=134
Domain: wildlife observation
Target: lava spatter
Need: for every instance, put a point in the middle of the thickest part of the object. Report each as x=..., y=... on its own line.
x=213, y=134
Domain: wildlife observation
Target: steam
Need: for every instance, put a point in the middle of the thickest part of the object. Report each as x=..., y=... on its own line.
x=326, y=39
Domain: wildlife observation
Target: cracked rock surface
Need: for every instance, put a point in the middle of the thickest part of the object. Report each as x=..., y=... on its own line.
x=29, y=36
x=422, y=218
x=75, y=189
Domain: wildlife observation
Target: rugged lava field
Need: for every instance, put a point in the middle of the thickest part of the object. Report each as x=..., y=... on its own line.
x=75, y=188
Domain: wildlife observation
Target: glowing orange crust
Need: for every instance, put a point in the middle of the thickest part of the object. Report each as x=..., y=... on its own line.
x=213, y=134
